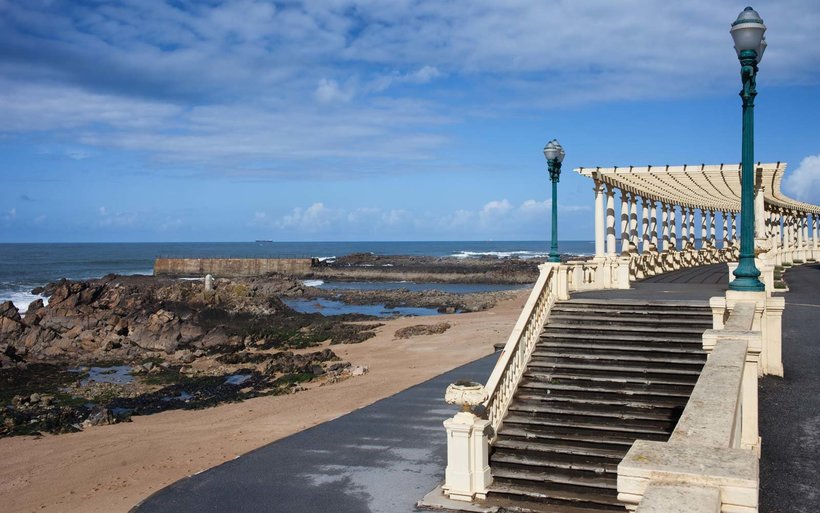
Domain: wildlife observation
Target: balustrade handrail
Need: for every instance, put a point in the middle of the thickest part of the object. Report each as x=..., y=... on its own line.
x=514, y=357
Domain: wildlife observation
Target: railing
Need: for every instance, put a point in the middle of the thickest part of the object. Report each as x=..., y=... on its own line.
x=512, y=363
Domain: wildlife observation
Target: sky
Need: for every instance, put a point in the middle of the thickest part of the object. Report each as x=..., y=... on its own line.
x=337, y=120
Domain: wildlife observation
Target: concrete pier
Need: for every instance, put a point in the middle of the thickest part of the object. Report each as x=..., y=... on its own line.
x=230, y=267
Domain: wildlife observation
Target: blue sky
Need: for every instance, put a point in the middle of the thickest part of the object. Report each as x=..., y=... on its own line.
x=175, y=120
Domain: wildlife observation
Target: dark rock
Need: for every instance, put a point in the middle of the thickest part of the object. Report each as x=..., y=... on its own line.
x=422, y=329
x=100, y=416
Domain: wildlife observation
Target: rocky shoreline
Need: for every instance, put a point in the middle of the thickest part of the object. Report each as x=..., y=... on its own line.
x=103, y=350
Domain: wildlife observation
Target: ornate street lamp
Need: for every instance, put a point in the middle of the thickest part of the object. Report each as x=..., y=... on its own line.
x=747, y=31
x=554, y=154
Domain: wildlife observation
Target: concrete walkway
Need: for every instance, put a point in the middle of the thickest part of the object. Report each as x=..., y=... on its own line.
x=385, y=457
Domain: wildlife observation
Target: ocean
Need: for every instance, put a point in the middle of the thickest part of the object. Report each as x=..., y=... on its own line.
x=26, y=266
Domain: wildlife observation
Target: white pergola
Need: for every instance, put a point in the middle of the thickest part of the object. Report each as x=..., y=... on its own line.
x=711, y=189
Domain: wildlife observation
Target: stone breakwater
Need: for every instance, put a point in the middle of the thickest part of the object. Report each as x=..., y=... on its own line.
x=231, y=267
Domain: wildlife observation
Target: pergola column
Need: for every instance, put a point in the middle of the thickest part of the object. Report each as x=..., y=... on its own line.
x=624, y=222
x=798, y=224
x=734, y=228
x=760, y=218
x=600, y=227
x=704, y=242
x=653, y=224
x=665, y=225
x=804, y=226
x=684, y=227
x=610, y=221
x=673, y=228
x=692, y=227
x=633, y=221
x=725, y=217
x=712, y=241
x=644, y=225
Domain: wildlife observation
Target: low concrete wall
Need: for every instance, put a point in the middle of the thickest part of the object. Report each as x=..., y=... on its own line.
x=229, y=267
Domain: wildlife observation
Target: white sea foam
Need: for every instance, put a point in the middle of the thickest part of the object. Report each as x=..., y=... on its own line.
x=313, y=283
x=328, y=259
x=21, y=299
x=500, y=254
x=193, y=279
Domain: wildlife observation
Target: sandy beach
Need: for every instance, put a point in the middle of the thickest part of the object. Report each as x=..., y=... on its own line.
x=112, y=468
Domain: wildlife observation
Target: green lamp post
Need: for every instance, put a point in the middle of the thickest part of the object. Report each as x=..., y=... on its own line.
x=554, y=154
x=747, y=32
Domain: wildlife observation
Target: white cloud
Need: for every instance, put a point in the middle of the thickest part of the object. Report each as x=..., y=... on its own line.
x=494, y=211
x=804, y=182
x=315, y=218
x=11, y=215
x=328, y=91
x=116, y=219
x=423, y=75
x=498, y=219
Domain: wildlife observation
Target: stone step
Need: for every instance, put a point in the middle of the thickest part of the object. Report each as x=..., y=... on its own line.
x=621, y=329
x=589, y=480
x=620, y=345
x=633, y=427
x=520, y=496
x=551, y=375
x=627, y=320
x=545, y=463
x=510, y=499
x=606, y=389
x=633, y=304
x=591, y=412
x=593, y=399
x=555, y=448
x=614, y=366
x=620, y=356
x=615, y=337
x=582, y=438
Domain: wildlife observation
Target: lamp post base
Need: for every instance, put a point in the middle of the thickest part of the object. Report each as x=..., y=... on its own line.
x=554, y=257
x=747, y=284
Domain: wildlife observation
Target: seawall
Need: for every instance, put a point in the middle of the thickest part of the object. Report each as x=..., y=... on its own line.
x=230, y=267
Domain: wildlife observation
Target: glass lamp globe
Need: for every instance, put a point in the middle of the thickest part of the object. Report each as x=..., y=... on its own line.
x=747, y=32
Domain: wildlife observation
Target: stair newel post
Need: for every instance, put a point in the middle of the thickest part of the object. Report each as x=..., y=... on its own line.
x=467, y=476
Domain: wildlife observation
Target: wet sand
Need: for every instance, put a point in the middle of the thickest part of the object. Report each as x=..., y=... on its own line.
x=112, y=468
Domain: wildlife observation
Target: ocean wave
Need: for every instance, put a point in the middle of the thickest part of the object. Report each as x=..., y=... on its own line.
x=21, y=298
x=328, y=259
x=313, y=283
x=500, y=254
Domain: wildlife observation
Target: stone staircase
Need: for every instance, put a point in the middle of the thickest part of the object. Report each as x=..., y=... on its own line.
x=604, y=373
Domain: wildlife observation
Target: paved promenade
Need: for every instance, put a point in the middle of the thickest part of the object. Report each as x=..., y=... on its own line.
x=381, y=459
x=385, y=457
x=790, y=406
